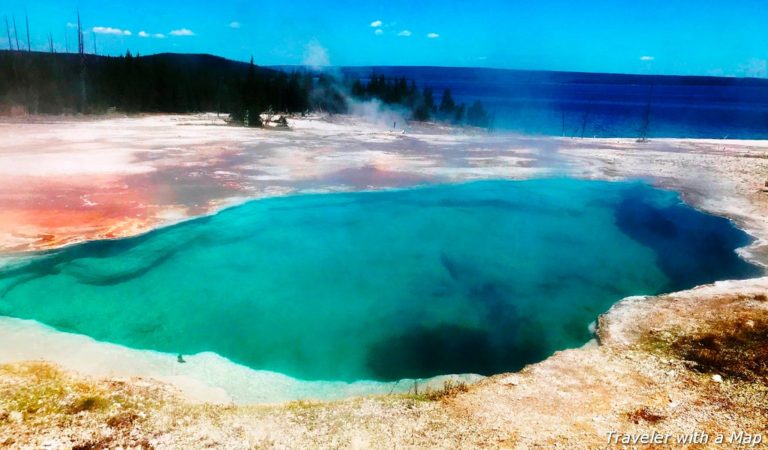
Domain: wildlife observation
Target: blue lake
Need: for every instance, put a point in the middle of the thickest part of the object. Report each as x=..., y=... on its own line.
x=481, y=278
x=600, y=104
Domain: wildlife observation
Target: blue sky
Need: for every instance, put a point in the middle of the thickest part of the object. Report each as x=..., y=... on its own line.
x=699, y=37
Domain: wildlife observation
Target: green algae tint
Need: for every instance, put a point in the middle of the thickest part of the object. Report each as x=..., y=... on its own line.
x=475, y=278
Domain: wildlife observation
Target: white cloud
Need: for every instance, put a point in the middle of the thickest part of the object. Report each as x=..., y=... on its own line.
x=182, y=32
x=647, y=58
x=716, y=72
x=433, y=35
x=71, y=25
x=404, y=33
x=376, y=23
x=234, y=25
x=143, y=34
x=378, y=32
x=110, y=30
x=754, y=68
x=159, y=35
x=315, y=55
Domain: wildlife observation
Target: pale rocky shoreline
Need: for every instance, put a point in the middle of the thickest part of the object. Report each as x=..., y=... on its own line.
x=627, y=385
x=122, y=176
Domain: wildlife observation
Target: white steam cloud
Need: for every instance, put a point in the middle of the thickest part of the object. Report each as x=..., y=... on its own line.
x=376, y=113
x=405, y=33
x=376, y=23
x=315, y=55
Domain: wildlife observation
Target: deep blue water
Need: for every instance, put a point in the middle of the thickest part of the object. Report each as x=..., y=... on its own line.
x=481, y=278
x=559, y=103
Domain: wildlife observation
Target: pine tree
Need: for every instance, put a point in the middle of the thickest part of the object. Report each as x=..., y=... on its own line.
x=458, y=114
x=477, y=116
x=447, y=105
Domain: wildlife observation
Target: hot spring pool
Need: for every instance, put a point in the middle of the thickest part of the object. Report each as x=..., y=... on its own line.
x=480, y=278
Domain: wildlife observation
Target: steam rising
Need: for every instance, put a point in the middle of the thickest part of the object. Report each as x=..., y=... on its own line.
x=315, y=55
x=375, y=112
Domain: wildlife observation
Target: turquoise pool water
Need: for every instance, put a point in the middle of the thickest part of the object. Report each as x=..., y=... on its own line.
x=474, y=278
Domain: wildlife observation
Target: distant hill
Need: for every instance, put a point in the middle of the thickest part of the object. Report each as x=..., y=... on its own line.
x=204, y=62
x=56, y=83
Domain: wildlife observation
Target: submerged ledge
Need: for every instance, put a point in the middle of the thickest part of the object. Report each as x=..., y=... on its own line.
x=203, y=378
x=636, y=381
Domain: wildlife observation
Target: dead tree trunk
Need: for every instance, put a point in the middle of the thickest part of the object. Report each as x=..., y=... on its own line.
x=29, y=41
x=81, y=51
x=584, y=122
x=16, y=34
x=645, y=122
x=80, y=46
x=8, y=30
x=562, y=122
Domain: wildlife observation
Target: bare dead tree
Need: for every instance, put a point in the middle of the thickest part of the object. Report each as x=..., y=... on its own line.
x=81, y=51
x=50, y=42
x=80, y=44
x=645, y=121
x=584, y=123
x=562, y=122
x=16, y=34
x=66, y=41
x=8, y=30
x=29, y=41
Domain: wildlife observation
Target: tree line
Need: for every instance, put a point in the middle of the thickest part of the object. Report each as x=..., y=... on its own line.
x=47, y=83
x=66, y=83
x=421, y=103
